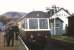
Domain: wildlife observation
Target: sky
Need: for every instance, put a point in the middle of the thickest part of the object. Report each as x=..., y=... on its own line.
x=34, y=5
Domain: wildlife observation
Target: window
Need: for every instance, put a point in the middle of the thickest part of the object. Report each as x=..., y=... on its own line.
x=57, y=25
x=33, y=23
x=43, y=24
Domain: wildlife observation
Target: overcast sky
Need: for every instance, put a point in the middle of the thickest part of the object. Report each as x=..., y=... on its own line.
x=33, y=5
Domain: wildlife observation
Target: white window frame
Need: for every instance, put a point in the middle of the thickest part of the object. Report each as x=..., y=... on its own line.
x=38, y=29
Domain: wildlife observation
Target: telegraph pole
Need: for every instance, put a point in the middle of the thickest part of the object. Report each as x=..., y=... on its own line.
x=54, y=7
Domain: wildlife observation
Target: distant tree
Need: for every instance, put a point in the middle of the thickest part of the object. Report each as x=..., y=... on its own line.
x=4, y=19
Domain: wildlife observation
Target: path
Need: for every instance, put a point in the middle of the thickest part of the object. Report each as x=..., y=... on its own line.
x=2, y=43
x=1, y=40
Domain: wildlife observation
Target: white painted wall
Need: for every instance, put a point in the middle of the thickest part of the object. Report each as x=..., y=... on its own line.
x=63, y=16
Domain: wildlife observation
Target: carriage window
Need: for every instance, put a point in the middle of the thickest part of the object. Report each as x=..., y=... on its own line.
x=33, y=23
x=43, y=24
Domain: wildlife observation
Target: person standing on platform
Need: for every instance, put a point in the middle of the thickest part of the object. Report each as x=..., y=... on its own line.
x=10, y=36
x=16, y=31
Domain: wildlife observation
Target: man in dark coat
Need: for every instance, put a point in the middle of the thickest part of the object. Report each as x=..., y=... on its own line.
x=16, y=30
x=9, y=36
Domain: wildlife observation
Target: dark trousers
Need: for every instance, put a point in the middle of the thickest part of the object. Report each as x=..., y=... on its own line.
x=10, y=41
x=16, y=36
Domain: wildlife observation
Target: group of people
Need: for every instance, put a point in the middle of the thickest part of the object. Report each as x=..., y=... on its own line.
x=11, y=33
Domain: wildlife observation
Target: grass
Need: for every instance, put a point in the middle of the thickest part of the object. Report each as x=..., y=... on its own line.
x=61, y=43
x=64, y=38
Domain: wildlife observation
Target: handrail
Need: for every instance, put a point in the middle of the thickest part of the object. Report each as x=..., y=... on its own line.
x=23, y=43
